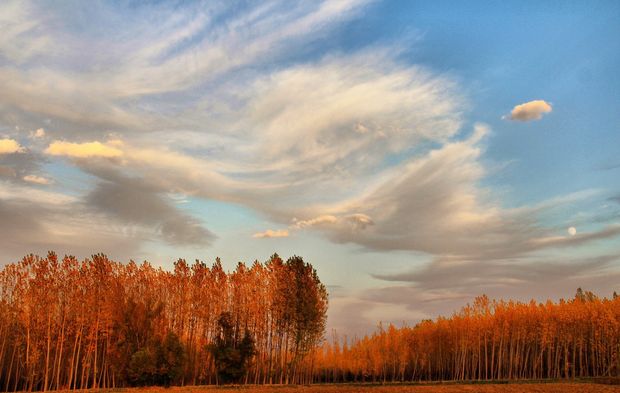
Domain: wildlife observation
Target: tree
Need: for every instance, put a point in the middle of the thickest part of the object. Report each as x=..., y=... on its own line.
x=170, y=361
x=142, y=368
x=231, y=356
x=306, y=309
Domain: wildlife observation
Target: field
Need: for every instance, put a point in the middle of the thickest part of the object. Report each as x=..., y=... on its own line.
x=555, y=387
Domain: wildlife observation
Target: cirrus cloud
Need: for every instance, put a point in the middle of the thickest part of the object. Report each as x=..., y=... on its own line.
x=361, y=145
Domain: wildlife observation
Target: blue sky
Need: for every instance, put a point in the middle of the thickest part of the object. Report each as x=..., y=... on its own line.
x=417, y=153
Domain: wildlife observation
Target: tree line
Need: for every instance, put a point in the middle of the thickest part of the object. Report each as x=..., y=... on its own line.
x=97, y=323
x=488, y=340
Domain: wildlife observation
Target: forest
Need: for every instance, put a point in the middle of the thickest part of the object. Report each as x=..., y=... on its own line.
x=96, y=323
x=488, y=340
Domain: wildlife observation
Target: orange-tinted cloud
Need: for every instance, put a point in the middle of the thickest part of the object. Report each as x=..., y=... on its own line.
x=533, y=110
x=271, y=233
x=83, y=150
x=8, y=146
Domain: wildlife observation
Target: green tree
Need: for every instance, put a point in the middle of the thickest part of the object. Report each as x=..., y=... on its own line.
x=142, y=368
x=170, y=360
x=231, y=357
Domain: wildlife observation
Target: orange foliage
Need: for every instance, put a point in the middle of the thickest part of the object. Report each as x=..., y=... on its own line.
x=488, y=340
x=69, y=324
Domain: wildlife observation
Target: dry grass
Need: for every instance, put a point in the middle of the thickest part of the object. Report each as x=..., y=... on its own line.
x=439, y=388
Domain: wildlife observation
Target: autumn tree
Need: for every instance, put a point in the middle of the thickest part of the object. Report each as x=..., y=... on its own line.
x=97, y=323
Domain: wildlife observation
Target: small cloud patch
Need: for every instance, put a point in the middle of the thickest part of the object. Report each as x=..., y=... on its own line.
x=320, y=220
x=533, y=110
x=36, y=179
x=271, y=233
x=83, y=150
x=37, y=134
x=8, y=146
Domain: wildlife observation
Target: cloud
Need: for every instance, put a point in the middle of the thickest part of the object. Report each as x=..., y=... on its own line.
x=359, y=220
x=324, y=219
x=317, y=133
x=360, y=145
x=37, y=134
x=446, y=284
x=83, y=150
x=262, y=123
x=14, y=167
x=459, y=274
x=271, y=233
x=22, y=37
x=36, y=179
x=36, y=221
x=135, y=201
x=356, y=221
x=8, y=146
x=6, y=171
x=172, y=49
x=353, y=316
x=576, y=239
x=432, y=203
x=533, y=110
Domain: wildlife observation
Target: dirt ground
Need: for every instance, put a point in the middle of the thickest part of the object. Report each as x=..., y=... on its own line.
x=439, y=388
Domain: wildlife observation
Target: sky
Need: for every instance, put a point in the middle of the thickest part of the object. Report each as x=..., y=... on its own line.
x=417, y=153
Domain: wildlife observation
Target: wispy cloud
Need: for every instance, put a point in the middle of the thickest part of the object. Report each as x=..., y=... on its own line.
x=324, y=219
x=362, y=146
x=22, y=36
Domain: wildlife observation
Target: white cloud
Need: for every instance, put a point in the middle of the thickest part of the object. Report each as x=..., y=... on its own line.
x=356, y=221
x=37, y=134
x=8, y=146
x=432, y=203
x=323, y=219
x=32, y=196
x=269, y=233
x=170, y=50
x=533, y=110
x=36, y=179
x=353, y=111
x=21, y=37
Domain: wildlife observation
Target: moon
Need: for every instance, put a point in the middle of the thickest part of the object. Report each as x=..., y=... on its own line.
x=572, y=231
